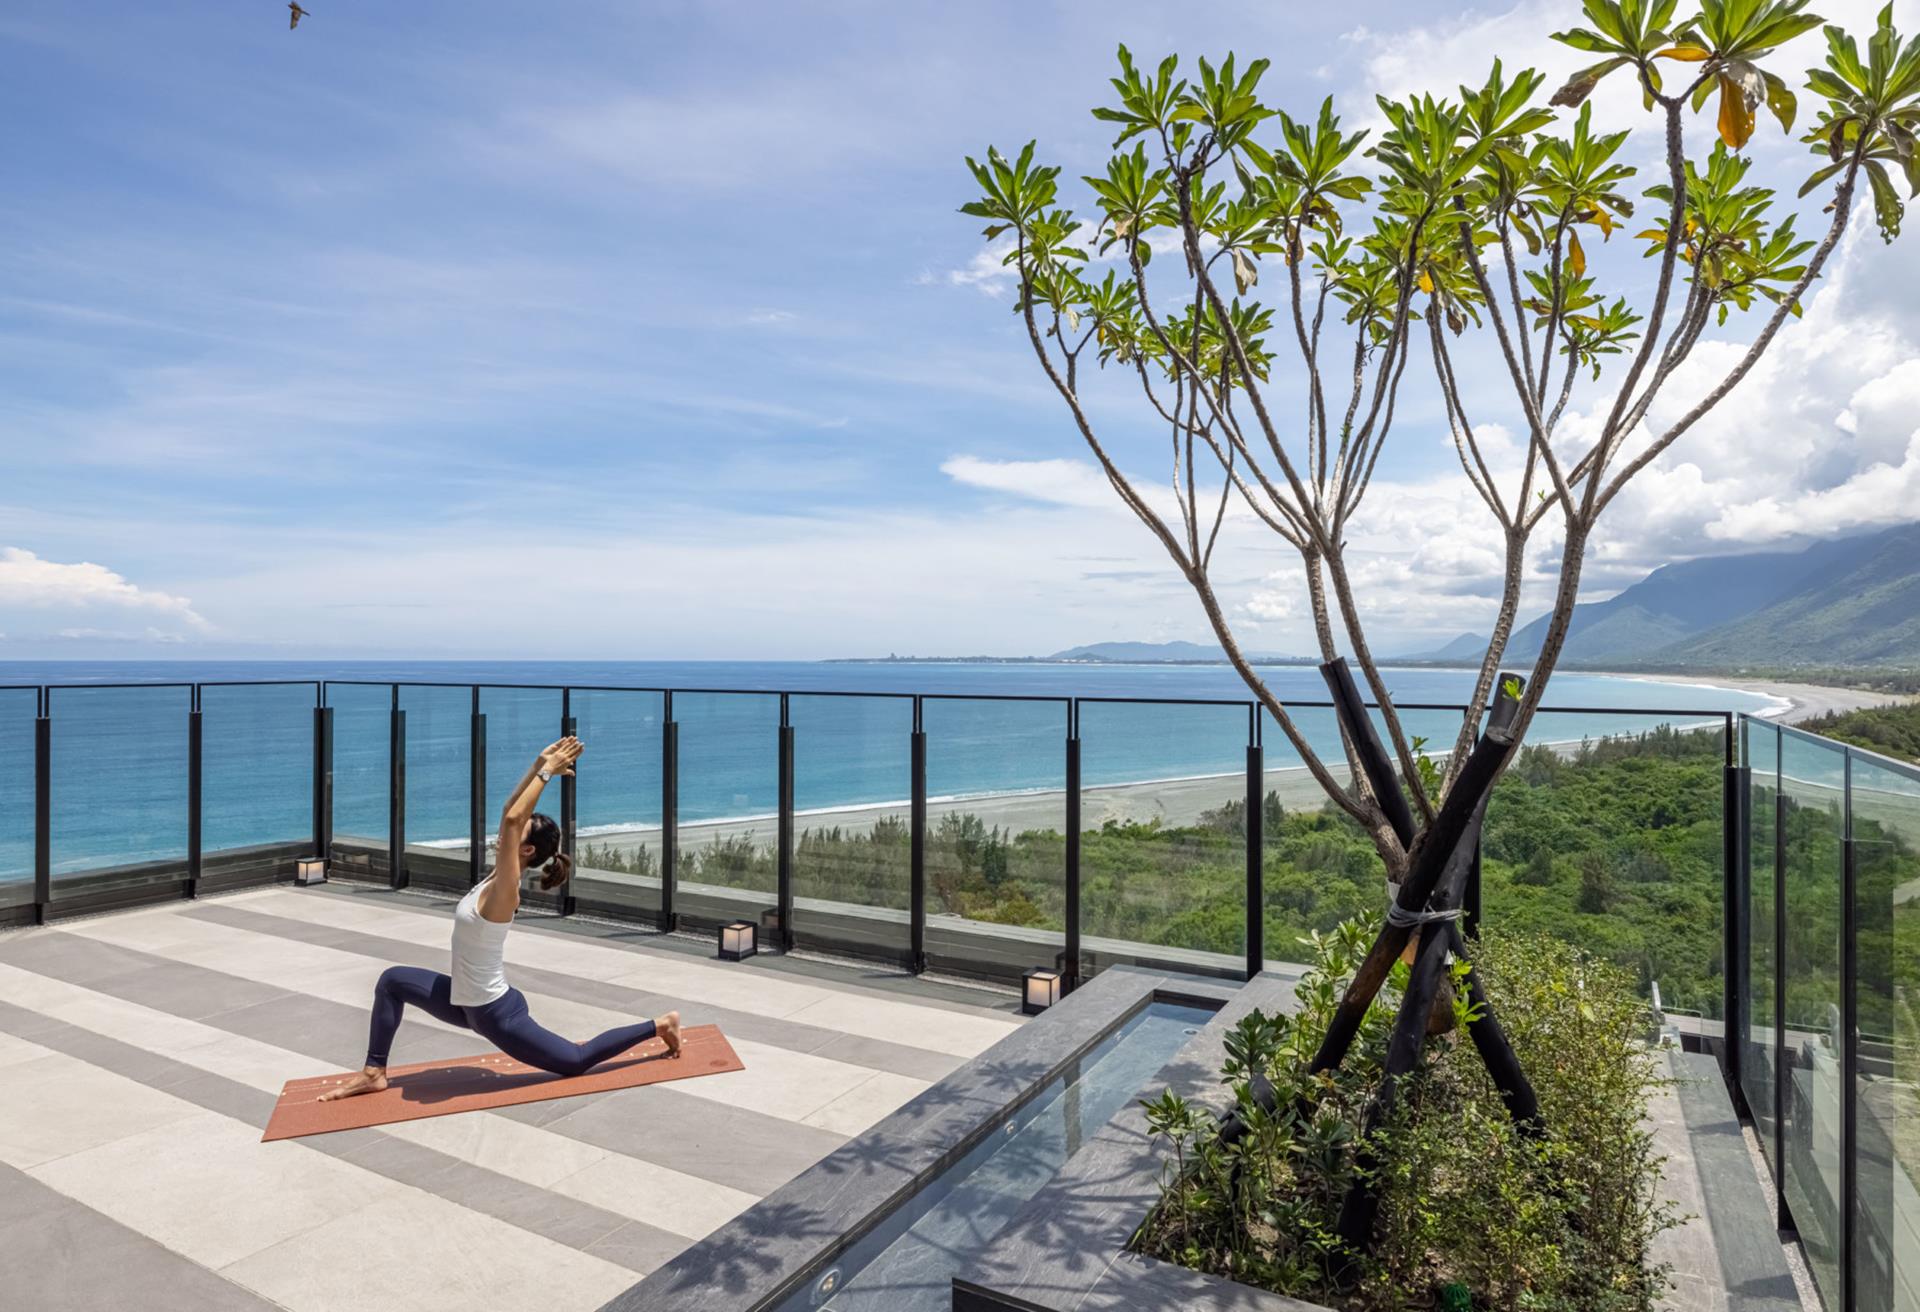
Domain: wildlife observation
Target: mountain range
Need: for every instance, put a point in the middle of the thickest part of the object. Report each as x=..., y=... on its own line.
x=1172, y=653
x=1853, y=601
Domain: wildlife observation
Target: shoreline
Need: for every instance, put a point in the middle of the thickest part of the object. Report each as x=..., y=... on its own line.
x=1175, y=803
x=1804, y=701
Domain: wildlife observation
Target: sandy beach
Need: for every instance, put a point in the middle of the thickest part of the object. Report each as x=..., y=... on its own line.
x=1807, y=700
x=1173, y=802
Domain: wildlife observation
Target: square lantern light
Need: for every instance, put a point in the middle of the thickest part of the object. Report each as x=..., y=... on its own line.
x=310, y=870
x=1039, y=989
x=737, y=941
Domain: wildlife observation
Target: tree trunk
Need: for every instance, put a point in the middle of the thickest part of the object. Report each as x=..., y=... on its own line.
x=1432, y=858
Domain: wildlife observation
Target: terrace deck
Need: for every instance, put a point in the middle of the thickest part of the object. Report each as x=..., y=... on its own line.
x=140, y=1054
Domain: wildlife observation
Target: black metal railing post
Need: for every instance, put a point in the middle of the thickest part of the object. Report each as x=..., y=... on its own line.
x=396, y=794
x=476, y=792
x=569, y=803
x=1782, y=1075
x=1470, y=906
x=917, y=867
x=1070, y=963
x=322, y=781
x=669, y=812
x=196, y=796
x=1736, y=916
x=783, y=897
x=1849, y=1046
x=1256, y=851
x=43, y=809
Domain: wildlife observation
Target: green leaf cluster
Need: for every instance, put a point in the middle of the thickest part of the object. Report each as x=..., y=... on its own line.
x=1557, y=1221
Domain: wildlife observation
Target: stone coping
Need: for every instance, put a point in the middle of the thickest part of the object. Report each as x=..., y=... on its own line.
x=761, y=1255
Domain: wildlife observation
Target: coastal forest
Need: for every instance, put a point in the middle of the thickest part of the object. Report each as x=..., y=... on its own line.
x=1615, y=845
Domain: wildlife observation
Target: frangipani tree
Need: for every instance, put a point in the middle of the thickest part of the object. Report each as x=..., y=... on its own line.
x=1465, y=224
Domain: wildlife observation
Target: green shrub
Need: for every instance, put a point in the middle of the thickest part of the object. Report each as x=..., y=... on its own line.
x=1555, y=1221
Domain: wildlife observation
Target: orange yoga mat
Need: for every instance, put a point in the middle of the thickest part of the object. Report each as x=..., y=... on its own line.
x=467, y=1084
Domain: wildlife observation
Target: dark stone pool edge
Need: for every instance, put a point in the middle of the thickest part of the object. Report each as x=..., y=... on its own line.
x=758, y=1256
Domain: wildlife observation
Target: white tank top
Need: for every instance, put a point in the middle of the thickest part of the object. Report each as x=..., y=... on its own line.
x=479, y=953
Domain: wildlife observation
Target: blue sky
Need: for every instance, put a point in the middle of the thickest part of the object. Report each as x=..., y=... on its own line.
x=650, y=330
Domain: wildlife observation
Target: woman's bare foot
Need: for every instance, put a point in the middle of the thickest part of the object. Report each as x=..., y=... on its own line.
x=371, y=1080
x=668, y=1028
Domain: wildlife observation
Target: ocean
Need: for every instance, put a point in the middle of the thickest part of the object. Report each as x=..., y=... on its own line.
x=119, y=753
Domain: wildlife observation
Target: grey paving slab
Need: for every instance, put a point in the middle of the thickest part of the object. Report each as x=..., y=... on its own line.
x=728, y=1145
x=560, y=1218
x=134, y=976
x=335, y=1034
x=150, y=1068
x=547, y=1111
x=71, y=957
x=62, y=1256
x=135, y=1063
x=637, y=1247
x=875, y=1054
x=230, y=1098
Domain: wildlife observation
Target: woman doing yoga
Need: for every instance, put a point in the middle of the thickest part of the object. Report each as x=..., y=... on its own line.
x=476, y=996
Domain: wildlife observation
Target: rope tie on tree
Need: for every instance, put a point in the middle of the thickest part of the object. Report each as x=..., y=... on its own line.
x=1402, y=918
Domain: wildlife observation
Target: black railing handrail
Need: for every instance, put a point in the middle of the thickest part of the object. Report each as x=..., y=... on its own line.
x=1693, y=712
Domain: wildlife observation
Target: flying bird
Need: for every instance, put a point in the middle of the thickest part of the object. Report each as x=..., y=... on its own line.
x=293, y=19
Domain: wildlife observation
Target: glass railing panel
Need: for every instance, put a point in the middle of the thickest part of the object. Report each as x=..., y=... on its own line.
x=852, y=835
x=996, y=834
x=1760, y=1063
x=119, y=779
x=1318, y=866
x=617, y=847
x=521, y=723
x=1885, y=800
x=1163, y=836
x=19, y=708
x=1613, y=841
x=727, y=826
x=439, y=780
x=256, y=762
x=362, y=780
x=1812, y=783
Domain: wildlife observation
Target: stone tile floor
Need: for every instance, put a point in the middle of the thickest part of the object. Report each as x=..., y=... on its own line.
x=141, y=1052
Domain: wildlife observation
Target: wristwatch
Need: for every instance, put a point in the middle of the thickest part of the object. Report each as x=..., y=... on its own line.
x=546, y=776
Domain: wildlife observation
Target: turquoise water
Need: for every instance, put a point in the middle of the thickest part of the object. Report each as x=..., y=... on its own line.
x=908, y=1261
x=120, y=754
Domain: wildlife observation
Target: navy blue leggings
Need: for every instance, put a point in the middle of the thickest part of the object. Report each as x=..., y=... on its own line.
x=504, y=1022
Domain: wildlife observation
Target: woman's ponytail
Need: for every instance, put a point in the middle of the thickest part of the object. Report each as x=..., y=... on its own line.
x=556, y=871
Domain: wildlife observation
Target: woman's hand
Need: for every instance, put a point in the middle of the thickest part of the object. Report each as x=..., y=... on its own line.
x=559, y=758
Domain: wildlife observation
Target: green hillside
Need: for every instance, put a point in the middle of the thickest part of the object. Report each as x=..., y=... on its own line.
x=1851, y=602
x=1864, y=612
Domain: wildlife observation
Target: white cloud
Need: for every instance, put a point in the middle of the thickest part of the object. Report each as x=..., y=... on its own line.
x=1818, y=440
x=1056, y=482
x=987, y=270
x=28, y=581
x=148, y=634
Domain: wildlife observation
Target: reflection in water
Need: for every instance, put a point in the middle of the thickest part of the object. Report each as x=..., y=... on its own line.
x=908, y=1262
